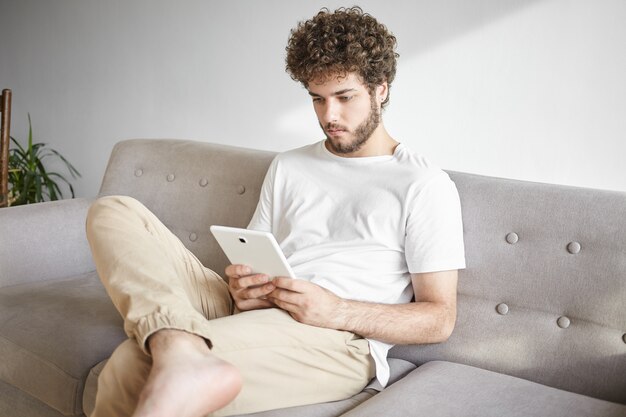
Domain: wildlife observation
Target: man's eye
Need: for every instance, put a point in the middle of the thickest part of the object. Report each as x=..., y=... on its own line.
x=345, y=98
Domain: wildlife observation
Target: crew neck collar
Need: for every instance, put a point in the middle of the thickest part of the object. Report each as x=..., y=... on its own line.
x=359, y=159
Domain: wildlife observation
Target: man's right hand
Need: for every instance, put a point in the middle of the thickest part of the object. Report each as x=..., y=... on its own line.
x=248, y=291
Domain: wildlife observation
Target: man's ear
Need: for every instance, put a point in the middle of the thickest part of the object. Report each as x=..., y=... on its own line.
x=382, y=91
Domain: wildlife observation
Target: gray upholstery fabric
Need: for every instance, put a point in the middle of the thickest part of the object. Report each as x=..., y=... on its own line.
x=540, y=281
x=52, y=333
x=447, y=389
x=330, y=409
x=50, y=234
x=91, y=388
x=190, y=186
x=16, y=403
x=398, y=369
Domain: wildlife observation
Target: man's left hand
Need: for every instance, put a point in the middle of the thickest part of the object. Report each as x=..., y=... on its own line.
x=308, y=303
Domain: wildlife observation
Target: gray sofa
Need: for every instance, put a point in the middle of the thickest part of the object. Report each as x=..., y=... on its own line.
x=541, y=328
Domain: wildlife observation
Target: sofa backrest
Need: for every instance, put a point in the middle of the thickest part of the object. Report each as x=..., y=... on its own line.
x=190, y=186
x=544, y=293
x=543, y=296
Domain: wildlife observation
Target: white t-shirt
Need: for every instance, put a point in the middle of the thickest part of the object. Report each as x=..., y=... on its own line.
x=360, y=226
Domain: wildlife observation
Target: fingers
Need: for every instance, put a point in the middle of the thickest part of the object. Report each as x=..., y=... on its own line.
x=251, y=291
x=285, y=296
x=240, y=277
x=289, y=292
x=237, y=270
x=241, y=283
x=295, y=285
x=256, y=292
x=248, y=291
x=248, y=298
x=253, y=286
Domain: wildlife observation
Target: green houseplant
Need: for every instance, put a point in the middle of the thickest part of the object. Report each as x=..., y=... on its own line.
x=29, y=180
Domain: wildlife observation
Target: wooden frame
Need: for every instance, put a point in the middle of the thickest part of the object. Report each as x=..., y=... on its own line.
x=5, y=109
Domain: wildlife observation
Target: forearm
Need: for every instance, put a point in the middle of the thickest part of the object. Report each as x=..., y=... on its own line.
x=413, y=323
x=429, y=320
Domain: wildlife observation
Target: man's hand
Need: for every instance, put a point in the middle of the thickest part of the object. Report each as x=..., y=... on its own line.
x=308, y=303
x=429, y=319
x=248, y=291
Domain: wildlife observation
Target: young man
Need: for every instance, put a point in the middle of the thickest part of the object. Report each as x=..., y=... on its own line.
x=365, y=224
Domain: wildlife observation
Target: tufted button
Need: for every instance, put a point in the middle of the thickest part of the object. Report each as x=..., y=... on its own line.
x=512, y=238
x=193, y=237
x=241, y=189
x=573, y=247
x=170, y=177
x=624, y=337
x=138, y=172
x=563, y=322
x=502, y=309
x=204, y=182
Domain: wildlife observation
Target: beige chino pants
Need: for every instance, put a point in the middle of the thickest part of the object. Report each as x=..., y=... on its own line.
x=156, y=283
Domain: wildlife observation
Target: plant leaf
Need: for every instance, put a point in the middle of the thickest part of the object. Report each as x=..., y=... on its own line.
x=29, y=181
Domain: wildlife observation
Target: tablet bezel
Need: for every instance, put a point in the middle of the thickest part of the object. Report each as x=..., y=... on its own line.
x=258, y=250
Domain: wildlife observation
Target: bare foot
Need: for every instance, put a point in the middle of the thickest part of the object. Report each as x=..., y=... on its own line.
x=186, y=379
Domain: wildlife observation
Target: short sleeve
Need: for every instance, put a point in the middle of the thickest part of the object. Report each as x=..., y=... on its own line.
x=434, y=233
x=262, y=217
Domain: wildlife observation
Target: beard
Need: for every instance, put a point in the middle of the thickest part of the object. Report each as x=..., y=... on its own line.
x=361, y=134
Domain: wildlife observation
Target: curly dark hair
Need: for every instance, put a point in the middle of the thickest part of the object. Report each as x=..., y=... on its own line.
x=336, y=43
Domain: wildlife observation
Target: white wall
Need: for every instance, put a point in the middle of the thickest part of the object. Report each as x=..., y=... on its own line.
x=527, y=89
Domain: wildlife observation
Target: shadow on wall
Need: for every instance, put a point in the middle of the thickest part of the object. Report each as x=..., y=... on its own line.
x=423, y=25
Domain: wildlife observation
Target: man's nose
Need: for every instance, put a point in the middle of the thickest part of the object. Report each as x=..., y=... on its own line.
x=330, y=112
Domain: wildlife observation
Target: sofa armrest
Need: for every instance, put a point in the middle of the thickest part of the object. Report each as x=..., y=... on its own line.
x=44, y=241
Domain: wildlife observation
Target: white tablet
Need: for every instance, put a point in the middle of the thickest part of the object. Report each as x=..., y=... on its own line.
x=258, y=250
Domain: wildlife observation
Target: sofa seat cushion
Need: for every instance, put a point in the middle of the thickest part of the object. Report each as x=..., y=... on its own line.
x=52, y=333
x=448, y=389
x=398, y=369
x=15, y=402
